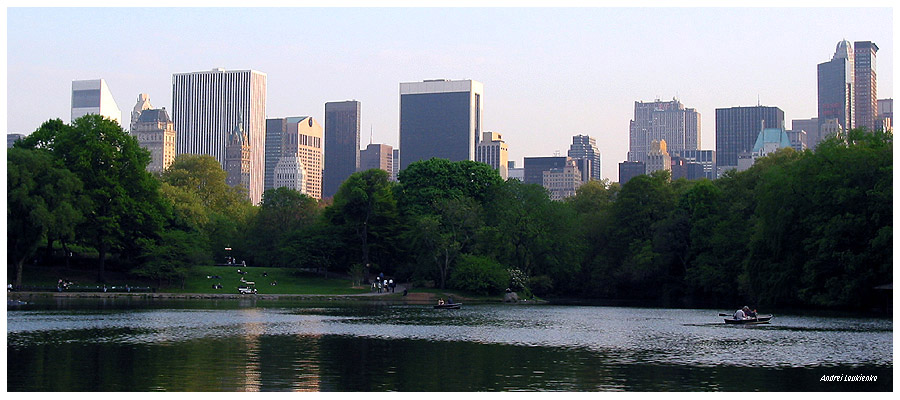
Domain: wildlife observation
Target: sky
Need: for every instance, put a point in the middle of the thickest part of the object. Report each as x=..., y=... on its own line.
x=548, y=73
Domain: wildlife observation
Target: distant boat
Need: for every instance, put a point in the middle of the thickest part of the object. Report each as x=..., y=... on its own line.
x=448, y=306
x=762, y=319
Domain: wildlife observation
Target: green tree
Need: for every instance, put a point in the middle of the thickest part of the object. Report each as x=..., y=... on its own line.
x=422, y=183
x=282, y=210
x=365, y=212
x=123, y=198
x=42, y=201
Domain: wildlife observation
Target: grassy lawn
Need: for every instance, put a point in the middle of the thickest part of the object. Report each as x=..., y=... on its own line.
x=289, y=281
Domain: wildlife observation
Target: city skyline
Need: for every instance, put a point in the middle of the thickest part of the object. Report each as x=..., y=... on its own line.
x=548, y=73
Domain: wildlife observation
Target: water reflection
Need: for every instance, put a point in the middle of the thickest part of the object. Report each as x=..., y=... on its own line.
x=260, y=347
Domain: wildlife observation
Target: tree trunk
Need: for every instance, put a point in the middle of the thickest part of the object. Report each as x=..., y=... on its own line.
x=19, y=265
x=49, y=248
x=65, y=252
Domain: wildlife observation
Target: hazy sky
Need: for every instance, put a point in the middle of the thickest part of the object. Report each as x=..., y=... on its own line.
x=548, y=73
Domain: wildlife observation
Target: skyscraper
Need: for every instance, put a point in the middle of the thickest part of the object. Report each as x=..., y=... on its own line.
x=865, y=85
x=737, y=129
x=535, y=167
x=439, y=119
x=810, y=126
x=493, y=151
x=207, y=105
x=885, y=114
x=155, y=132
x=585, y=147
x=301, y=148
x=143, y=103
x=562, y=182
x=658, y=159
x=395, y=164
x=237, y=157
x=377, y=156
x=835, y=89
x=630, y=169
x=341, y=144
x=662, y=120
x=93, y=97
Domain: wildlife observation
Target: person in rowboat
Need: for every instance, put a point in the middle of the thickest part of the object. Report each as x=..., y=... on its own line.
x=440, y=301
x=742, y=313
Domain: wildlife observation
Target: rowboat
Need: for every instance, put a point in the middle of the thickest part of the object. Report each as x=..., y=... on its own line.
x=448, y=306
x=762, y=319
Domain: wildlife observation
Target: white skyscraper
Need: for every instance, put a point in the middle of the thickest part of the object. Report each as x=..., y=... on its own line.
x=93, y=97
x=207, y=105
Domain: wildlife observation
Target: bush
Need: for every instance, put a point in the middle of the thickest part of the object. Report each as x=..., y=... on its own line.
x=479, y=275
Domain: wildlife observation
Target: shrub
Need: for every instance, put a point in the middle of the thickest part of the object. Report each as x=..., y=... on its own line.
x=479, y=275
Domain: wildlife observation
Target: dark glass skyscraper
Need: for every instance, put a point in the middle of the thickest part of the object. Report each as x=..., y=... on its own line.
x=439, y=119
x=835, y=89
x=737, y=129
x=865, y=85
x=341, y=144
x=535, y=167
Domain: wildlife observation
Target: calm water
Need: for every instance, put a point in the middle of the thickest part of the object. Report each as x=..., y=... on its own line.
x=126, y=345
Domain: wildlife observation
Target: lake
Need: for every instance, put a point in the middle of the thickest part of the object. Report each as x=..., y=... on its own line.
x=278, y=345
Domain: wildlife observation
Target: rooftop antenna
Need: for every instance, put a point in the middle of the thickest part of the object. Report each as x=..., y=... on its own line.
x=757, y=101
x=371, y=130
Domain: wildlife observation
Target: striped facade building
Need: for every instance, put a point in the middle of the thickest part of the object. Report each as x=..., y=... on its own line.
x=207, y=105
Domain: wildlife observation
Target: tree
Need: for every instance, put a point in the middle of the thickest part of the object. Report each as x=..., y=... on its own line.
x=43, y=200
x=424, y=182
x=283, y=210
x=123, y=198
x=364, y=209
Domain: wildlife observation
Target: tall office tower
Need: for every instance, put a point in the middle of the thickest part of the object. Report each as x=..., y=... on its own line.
x=835, y=89
x=395, y=164
x=662, y=120
x=585, y=147
x=301, y=147
x=562, y=182
x=737, y=129
x=93, y=97
x=493, y=151
x=865, y=85
x=658, y=159
x=885, y=115
x=535, y=167
x=630, y=169
x=143, y=103
x=207, y=105
x=155, y=132
x=377, y=156
x=810, y=126
x=341, y=144
x=275, y=128
x=237, y=157
x=439, y=119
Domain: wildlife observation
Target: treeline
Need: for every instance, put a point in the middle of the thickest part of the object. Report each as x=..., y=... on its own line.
x=797, y=229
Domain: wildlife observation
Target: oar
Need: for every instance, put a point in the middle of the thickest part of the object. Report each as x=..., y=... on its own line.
x=724, y=315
